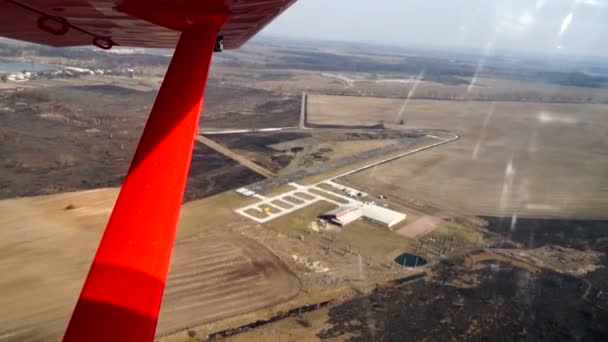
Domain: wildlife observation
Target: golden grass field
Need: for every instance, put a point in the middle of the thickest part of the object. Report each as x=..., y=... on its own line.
x=527, y=159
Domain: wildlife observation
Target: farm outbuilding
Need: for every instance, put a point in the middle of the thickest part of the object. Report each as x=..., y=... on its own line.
x=342, y=215
x=346, y=214
x=383, y=216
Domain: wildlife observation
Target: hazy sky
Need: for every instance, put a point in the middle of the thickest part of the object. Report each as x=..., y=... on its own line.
x=578, y=27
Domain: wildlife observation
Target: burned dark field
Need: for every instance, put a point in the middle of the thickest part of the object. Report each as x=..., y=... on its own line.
x=236, y=106
x=493, y=300
x=507, y=304
x=60, y=139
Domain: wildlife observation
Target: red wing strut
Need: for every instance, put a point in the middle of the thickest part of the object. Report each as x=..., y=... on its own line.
x=121, y=298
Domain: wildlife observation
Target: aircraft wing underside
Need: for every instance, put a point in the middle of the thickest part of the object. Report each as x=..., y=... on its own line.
x=108, y=19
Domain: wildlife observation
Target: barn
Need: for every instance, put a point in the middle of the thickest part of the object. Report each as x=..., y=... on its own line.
x=342, y=215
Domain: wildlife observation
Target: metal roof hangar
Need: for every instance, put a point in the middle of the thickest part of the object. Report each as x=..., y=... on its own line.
x=346, y=214
x=383, y=216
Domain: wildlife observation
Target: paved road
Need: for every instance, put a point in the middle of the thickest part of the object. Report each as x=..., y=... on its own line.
x=246, y=130
x=303, y=110
x=451, y=137
x=404, y=144
x=304, y=202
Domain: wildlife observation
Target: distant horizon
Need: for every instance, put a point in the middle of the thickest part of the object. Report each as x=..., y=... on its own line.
x=558, y=28
x=271, y=33
x=459, y=50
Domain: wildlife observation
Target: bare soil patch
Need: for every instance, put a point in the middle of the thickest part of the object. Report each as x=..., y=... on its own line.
x=222, y=276
x=420, y=227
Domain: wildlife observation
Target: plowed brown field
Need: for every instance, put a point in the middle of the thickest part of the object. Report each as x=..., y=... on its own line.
x=46, y=250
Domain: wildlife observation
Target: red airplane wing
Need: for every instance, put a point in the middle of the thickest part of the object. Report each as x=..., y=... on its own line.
x=121, y=297
x=109, y=19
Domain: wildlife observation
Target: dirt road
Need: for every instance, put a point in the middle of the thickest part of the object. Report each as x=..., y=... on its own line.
x=230, y=154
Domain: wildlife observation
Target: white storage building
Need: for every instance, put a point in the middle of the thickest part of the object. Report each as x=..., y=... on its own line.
x=346, y=214
x=383, y=216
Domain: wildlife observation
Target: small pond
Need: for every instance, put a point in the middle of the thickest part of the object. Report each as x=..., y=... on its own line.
x=410, y=260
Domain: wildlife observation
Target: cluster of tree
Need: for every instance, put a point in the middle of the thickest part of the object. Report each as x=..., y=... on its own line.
x=559, y=77
x=443, y=69
x=514, y=96
x=577, y=79
x=434, y=67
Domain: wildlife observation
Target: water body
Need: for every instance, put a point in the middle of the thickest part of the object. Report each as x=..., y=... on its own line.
x=14, y=66
x=410, y=260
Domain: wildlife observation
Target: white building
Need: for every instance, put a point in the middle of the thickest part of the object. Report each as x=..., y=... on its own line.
x=19, y=76
x=346, y=214
x=353, y=193
x=383, y=216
